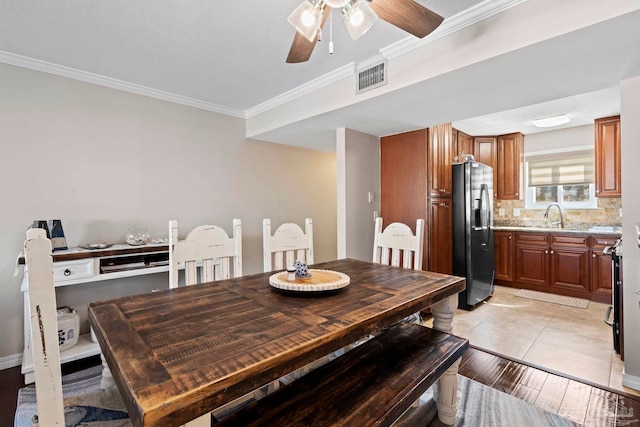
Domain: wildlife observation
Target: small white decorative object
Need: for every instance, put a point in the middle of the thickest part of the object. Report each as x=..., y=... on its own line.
x=137, y=236
x=291, y=274
x=302, y=270
x=68, y=327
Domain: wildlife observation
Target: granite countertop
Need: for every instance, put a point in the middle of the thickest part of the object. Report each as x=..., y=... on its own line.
x=608, y=230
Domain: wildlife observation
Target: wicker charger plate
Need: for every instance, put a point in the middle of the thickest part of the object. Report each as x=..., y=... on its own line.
x=320, y=281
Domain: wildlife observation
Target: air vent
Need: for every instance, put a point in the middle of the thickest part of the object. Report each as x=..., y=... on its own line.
x=372, y=77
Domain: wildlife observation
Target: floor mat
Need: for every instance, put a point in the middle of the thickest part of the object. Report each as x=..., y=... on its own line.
x=552, y=298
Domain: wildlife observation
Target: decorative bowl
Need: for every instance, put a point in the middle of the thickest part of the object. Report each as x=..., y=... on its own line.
x=137, y=236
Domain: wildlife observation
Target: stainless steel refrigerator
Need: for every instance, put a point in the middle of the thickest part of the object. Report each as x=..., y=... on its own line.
x=473, y=258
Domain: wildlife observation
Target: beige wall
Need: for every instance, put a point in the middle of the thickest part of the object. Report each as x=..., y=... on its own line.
x=359, y=159
x=103, y=160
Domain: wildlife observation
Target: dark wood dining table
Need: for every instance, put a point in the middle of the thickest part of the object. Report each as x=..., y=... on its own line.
x=178, y=354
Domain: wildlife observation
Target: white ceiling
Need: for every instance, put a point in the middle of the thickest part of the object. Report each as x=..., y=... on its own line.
x=230, y=57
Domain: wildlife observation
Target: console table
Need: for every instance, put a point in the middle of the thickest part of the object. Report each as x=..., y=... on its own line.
x=76, y=266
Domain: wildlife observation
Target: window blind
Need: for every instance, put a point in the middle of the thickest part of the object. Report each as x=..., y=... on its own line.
x=564, y=171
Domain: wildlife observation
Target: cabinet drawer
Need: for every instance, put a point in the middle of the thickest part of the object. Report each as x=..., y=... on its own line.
x=532, y=238
x=559, y=239
x=72, y=270
x=604, y=240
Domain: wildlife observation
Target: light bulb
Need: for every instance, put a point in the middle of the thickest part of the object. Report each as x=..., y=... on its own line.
x=307, y=18
x=356, y=18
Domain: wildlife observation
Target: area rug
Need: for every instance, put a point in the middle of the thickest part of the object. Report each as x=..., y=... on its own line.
x=552, y=298
x=85, y=403
x=479, y=405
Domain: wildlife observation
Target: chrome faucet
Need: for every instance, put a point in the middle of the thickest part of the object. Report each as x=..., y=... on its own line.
x=546, y=215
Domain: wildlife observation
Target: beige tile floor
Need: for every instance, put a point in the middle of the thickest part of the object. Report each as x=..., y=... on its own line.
x=573, y=341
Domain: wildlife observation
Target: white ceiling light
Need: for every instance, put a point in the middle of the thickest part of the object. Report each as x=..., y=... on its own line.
x=548, y=122
x=358, y=17
x=307, y=18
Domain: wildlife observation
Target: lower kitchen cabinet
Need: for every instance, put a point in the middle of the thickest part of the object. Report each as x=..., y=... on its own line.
x=569, y=268
x=569, y=264
x=440, y=235
x=504, y=255
x=601, y=267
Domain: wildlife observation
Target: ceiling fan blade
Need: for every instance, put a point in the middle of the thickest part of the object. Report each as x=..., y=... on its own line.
x=301, y=48
x=407, y=15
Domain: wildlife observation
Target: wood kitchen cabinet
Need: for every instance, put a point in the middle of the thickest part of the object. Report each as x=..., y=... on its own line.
x=504, y=253
x=439, y=228
x=508, y=173
x=532, y=258
x=484, y=151
x=569, y=264
x=463, y=143
x=403, y=180
x=608, y=157
x=440, y=235
x=601, y=267
x=439, y=160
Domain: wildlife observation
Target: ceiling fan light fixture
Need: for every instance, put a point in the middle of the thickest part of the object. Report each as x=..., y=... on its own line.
x=306, y=19
x=548, y=122
x=358, y=17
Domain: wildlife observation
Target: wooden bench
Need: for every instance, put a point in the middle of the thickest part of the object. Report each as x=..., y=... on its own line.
x=371, y=385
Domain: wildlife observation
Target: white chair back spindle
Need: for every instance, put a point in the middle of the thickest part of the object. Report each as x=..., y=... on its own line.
x=288, y=244
x=396, y=244
x=208, y=254
x=44, y=327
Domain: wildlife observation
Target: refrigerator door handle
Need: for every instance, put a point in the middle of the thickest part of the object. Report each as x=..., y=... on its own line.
x=484, y=213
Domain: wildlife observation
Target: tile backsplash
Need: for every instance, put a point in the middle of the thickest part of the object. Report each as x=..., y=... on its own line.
x=607, y=214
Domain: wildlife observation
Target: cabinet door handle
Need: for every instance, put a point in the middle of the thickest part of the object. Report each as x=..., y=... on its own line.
x=509, y=236
x=516, y=193
x=443, y=204
x=594, y=255
x=67, y=272
x=551, y=252
x=546, y=251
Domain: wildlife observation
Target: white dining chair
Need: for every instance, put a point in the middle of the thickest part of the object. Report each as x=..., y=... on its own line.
x=46, y=350
x=287, y=244
x=397, y=245
x=42, y=305
x=206, y=254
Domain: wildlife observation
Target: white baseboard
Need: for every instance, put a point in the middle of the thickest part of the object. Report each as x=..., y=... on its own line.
x=10, y=361
x=631, y=381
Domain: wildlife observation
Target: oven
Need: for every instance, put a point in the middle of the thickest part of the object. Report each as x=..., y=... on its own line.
x=615, y=309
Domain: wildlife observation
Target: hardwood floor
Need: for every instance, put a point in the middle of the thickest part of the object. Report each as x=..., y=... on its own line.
x=581, y=401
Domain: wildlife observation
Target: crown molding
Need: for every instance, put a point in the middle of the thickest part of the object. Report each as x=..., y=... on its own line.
x=450, y=25
x=464, y=19
x=315, y=84
x=87, y=77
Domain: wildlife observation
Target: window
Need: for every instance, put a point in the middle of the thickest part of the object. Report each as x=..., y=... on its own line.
x=563, y=178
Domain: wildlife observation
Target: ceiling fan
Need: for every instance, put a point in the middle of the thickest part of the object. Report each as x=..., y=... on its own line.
x=359, y=15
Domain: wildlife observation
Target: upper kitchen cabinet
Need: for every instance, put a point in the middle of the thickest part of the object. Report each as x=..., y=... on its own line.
x=484, y=151
x=607, y=157
x=508, y=173
x=463, y=143
x=440, y=158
